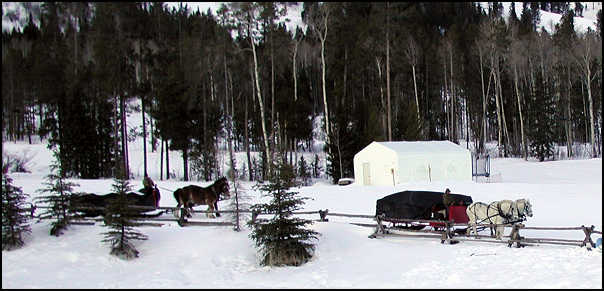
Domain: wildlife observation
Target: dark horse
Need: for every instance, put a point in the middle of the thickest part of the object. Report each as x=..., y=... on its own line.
x=192, y=195
x=149, y=198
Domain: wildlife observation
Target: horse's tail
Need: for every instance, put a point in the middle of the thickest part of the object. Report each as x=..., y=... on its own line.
x=178, y=197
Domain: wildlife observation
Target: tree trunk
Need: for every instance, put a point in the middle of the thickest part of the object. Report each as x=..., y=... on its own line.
x=388, y=73
x=446, y=92
x=345, y=75
x=167, y=161
x=594, y=153
x=246, y=142
x=483, y=140
x=260, y=104
x=161, y=160
x=504, y=124
x=416, y=95
x=124, y=137
x=323, y=37
x=497, y=106
x=116, y=133
x=384, y=119
x=523, y=143
x=569, y=137
x=185, y=163
x=144, y=137
x=452, y=132
x=272, y=125
x=144, y=127
x=294, y=71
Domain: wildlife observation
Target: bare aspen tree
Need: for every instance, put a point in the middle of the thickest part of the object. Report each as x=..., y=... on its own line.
x=588, y=53
x=412, y=54
x=516, y=59
x=246, y=14
x=318, y=22
x=388, y=109
x=384, y=119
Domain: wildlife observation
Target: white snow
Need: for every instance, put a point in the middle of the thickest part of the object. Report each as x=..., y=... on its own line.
x=548, y=20
x=563, y=193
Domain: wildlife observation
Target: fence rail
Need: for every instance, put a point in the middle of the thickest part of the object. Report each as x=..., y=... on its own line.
x=446, y=234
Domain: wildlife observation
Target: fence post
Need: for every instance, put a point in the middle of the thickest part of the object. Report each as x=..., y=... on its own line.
x=445, y=233
x=254, y=215
x=587, y=242
x=323, y=214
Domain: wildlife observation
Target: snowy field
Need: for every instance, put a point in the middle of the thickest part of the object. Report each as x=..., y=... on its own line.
x=563, y=193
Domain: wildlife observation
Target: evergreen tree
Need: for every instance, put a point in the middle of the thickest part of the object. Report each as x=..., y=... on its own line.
x=579, y=9
x=14, y=215
x=304, y=171
x=541, y=131
x=407, y=126
x=512, y=16
x=316, y=167
x=121, y=219
x=599, y=23
x=282, y=240
x=60, y=193
x=342, y=147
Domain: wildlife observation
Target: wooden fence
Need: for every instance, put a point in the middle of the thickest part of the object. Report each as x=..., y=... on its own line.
x=445, y=230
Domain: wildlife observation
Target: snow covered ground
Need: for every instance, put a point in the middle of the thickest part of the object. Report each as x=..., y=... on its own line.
x=563, y=193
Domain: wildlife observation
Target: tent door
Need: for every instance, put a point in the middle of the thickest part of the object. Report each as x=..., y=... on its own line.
x=366, y=176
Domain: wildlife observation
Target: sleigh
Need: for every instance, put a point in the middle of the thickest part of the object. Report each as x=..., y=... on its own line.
x=416, y=210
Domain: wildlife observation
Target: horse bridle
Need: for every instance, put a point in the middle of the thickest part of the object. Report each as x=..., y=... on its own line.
x=223, y=187
x=524, y=210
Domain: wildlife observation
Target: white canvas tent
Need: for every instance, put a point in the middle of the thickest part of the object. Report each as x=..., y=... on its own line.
x=389, y=163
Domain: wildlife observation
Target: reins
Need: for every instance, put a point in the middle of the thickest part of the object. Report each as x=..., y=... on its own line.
x=165, y=188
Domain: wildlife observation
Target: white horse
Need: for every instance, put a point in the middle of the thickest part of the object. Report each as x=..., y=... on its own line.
x=498, y=212
x=523, y=209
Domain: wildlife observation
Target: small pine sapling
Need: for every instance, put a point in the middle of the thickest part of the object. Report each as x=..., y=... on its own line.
x=282, y=240
x=121, y=219
x=15, y=216
x=304, y=171
x=58, y=199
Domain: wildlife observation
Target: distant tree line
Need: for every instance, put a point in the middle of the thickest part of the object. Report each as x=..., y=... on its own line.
x=372, y=71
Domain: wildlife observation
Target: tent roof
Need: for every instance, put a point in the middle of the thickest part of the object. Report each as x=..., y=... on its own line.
x=433, y=146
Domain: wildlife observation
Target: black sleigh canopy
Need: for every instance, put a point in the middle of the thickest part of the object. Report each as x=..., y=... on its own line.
x=415, y=204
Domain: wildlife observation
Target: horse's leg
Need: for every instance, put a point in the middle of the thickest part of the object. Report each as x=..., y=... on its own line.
x=210, y=211
x=216, y=208
x=190, y=209
x=499, y=228
x=177, y=211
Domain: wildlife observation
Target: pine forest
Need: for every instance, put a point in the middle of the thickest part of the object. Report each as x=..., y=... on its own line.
x=349, y=74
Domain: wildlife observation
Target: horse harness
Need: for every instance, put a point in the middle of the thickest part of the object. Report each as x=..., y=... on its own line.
x=498, y=213
x=521, y=216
